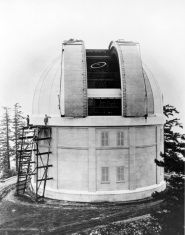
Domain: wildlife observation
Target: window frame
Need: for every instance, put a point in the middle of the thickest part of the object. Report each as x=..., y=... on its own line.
x=105, y=175
x=120, y=138
x=104, y=138
x=120, y=174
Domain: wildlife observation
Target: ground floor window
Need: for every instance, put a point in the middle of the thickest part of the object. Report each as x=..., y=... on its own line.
x=105, y=174
x=120, y=174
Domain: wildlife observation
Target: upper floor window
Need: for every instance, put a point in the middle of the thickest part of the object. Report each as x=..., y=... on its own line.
x=120, y=138
x=104, y=138
x=105, y=174
x=120, y=174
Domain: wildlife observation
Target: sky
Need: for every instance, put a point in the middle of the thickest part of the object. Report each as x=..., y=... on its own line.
x=32, y=32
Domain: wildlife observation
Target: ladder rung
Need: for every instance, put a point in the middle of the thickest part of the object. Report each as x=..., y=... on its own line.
x=21, y=181
x=28, y=141
x=44, y=166
x=21, y=189
x=24, y=162
x=26, y=154
x=26, y=150
x=21, y=176
x=43, y=153
x=28, y=127
x=32, y=126
x=45, y=179
x=29, y=130
x=25, y=158
x=26, y=137
x=22, y=173
x=44, y=138
x=32, y=174
x=20, y=186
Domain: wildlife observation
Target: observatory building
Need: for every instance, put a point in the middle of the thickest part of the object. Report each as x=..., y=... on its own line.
x=106, y=119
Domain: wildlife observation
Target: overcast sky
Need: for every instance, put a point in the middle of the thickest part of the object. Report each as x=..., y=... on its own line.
x=31, y=34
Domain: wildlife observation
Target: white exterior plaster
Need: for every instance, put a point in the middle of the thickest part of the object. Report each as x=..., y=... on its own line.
x=121, y=195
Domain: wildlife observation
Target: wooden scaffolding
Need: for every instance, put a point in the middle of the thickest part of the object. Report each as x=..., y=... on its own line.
x=33, y=164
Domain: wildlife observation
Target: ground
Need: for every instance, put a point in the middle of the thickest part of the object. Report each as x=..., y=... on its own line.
x=21, y=216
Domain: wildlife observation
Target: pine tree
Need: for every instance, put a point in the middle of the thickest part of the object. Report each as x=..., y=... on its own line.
x=171, y=215
x=1, y=157
x=17, y=124
x=174, y=145
x=5, y=140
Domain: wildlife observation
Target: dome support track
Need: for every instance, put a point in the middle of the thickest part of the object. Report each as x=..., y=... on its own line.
x=32, y=162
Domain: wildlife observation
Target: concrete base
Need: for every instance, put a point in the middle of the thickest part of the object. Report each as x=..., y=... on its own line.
x=120, y=195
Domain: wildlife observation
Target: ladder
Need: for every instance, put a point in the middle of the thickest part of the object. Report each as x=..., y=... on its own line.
x=33, y=162
x=25, y=160
x=42, y=161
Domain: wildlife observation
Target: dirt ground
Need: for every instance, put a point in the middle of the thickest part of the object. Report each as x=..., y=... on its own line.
x=20, y=216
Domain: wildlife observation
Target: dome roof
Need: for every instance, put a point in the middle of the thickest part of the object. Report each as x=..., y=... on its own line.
x=85, y=82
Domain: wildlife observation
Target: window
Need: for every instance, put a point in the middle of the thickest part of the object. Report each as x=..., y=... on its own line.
x=104, y=138
x=120, y=174
x=105, y=175
x=120, y=138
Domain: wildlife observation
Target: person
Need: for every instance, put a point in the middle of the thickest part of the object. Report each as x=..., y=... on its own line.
x=28, y=120
x=46, y=119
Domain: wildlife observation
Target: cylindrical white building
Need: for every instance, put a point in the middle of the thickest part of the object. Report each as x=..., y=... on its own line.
x=107, y=124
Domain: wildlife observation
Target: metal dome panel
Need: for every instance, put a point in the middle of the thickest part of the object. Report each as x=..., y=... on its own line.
x=75, y=79
x=45, y=100
x=137, y=97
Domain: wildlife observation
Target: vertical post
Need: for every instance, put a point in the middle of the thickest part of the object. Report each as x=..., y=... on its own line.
x=47, y=163
x=28, y=163
x=132, y=172
x=19, y=159
x=61, y=95
x=54, y=160
x=158, y=149
x=92, y=160
x=37, y=151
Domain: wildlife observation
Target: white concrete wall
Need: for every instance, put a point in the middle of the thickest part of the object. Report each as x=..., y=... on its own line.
x=73, y=169
x=78, y=156
x=145, y=167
